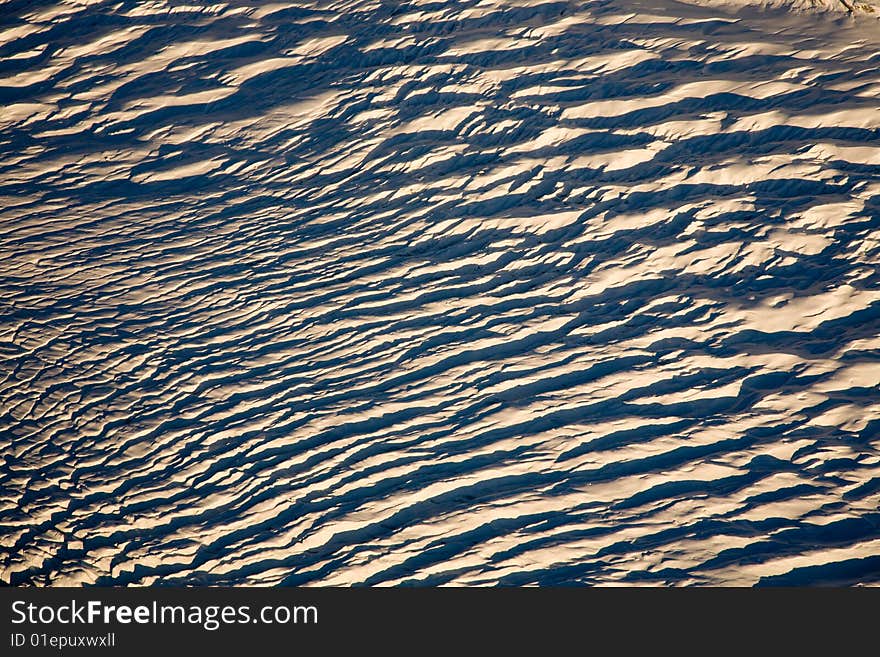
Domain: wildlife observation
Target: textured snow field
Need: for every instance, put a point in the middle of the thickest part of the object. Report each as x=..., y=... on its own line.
x=522, y=292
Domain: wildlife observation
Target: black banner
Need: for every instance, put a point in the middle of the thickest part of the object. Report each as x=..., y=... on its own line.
x=150, y=621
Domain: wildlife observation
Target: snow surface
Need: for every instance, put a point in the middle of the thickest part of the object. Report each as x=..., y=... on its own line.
x=439, y=292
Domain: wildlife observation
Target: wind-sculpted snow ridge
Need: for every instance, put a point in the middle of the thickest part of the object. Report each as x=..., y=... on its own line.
x=859, y=8
x=463, y=292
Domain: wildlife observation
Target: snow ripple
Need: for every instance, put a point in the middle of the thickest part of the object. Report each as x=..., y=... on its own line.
x=464, y=292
